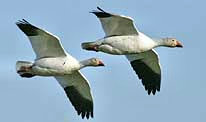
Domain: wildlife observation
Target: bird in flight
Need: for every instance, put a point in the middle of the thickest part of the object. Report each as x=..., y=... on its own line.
x=123, y=38
x=53, y=60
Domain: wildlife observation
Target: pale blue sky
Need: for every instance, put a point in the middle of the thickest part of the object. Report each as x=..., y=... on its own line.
x=118, y=94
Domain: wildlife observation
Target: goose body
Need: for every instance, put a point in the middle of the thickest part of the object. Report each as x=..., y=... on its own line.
x=52, y=60
x=123, y=38
x=55, y=66
x=126, y=44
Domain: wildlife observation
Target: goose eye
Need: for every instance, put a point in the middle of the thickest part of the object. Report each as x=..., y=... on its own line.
x=95, y=60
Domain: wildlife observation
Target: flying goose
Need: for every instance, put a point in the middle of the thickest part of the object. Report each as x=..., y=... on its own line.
x=122, y=38
x=53, y=60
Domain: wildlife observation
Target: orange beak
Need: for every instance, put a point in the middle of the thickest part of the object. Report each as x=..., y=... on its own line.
x=178, y=44
x=101, y=63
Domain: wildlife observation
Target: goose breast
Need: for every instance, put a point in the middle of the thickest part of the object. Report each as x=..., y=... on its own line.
x=62, y=65
x=130, y=43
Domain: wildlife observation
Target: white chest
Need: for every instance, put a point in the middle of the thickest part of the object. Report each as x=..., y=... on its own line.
x=54, y=66
x=130, y=44
x=144, y=43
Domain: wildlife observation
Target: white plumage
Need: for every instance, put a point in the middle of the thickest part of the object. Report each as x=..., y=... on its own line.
x=52, y=60
x=122, y=38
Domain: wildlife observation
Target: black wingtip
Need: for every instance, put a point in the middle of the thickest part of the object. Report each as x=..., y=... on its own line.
x=101, y=9
x=78, y=112
x=150, y=80
x=83, y=107
x=83, y=115
x=19, y=22
x=92, y=114
x=101, y=13
x=149, y=91
x=23, y=21
x=87, y=115
x=152, y=90
x=27, y=28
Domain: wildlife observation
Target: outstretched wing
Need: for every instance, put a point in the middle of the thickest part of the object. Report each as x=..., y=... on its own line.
x=147, y=67
x=115, y=24
x=78, y=91
x=43, y=43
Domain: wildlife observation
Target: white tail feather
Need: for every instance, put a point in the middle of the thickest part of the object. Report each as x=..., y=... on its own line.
x=19, y=64
x=88, y=45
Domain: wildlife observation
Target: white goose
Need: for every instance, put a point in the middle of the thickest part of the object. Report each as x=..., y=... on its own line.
x=122, y=38
x=52, y=60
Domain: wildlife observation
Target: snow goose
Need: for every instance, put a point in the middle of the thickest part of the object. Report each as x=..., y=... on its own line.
x=122, y=38
x=52, y=60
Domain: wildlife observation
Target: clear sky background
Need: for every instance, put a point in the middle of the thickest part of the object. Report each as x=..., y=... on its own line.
x=118, y=94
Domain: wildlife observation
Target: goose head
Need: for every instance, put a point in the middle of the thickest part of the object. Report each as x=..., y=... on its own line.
x=172, y=42
x=95, y=62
